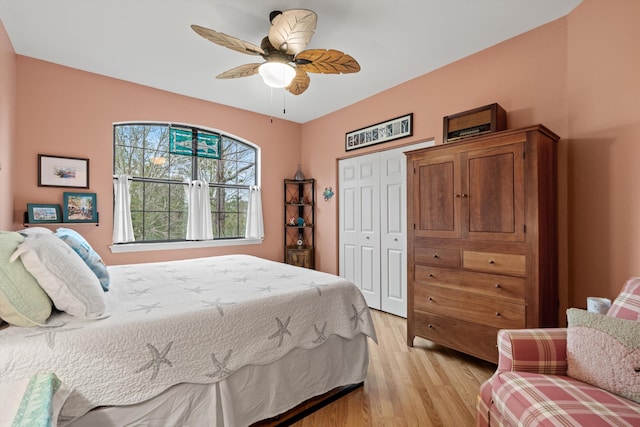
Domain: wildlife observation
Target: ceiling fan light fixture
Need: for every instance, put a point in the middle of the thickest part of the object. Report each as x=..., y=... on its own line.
x=277, y=74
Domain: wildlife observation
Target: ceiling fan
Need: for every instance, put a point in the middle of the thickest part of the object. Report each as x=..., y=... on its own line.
x=286, y=60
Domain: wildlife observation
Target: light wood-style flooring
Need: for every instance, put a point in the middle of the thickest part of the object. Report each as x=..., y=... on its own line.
x=427, y=385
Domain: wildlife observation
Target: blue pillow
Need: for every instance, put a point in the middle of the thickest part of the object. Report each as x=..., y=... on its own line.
x=86, y=252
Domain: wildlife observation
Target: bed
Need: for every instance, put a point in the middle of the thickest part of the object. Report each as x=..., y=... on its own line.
x=215, y=341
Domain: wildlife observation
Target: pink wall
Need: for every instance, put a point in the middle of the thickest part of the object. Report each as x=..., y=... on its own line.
x=7, y=126
x=63, y=111
x=604, y=147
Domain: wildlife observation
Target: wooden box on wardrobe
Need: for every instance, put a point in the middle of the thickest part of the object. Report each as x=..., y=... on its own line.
x=482, y=239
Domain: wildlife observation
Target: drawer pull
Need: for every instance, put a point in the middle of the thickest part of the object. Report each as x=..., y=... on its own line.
x=431, y=275
x=430, y=326
x=492, y=261
x=465, y=195
x=430, y=298
x=457, y=195
x=435, y=255
x=497, y=313
x=497, y=285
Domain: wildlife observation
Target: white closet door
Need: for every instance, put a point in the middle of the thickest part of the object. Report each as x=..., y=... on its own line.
x=349, y=259
x=372, y=229
x=368, y=226
x=393, y=216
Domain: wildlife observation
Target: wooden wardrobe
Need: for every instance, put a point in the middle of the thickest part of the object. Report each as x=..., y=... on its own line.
x=482, y=239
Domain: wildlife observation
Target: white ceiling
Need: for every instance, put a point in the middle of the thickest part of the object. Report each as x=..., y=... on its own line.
x=150, y=42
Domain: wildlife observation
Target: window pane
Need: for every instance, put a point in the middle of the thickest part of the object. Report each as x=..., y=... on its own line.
x=158, y=202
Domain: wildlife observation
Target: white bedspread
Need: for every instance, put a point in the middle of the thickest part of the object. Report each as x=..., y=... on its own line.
x=194, y=321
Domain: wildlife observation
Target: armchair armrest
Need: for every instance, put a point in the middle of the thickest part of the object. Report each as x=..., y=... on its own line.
x=542, y=351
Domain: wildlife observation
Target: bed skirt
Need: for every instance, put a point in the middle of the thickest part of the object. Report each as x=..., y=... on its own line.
x=250, y=394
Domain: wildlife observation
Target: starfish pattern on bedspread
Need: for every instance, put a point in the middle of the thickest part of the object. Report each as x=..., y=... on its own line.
x=240, y=279
x=138, y=292
x=320, y=333
x=184, y=278
x=50, y=334
x=264, y=288
x=316, y=287
x=282, y=329
x=147, y=308
x=157, y=358
x=221, y=366
x=284, y=276
x=217, y=304
x=198, y=290
x=357, y=316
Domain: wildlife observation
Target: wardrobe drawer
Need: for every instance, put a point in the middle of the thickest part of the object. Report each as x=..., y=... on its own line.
x=471, y=338
x=469, y=306
x=494, y=262
x=487, y=284
x=436, y=256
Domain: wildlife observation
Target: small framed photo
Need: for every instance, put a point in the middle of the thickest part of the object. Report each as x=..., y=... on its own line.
x=56, y=171
x=43, y=213
x=79, y=207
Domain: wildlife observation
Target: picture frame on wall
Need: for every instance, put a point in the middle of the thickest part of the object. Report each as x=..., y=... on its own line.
x=57, y=171
x=39, y=213
x=79, y=207
x=399, y=127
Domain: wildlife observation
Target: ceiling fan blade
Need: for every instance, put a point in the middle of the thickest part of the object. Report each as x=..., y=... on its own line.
x=326, y=61
x=245, y=70
x=300, y=82
x=230, y=42
x=291, y=30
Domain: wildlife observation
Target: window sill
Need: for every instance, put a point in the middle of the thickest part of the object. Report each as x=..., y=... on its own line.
x=167, y=246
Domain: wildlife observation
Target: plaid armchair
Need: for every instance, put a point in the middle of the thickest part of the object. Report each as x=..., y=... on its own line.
x=531, y=388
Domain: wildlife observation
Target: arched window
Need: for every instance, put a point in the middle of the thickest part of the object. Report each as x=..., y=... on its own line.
x=160, y=157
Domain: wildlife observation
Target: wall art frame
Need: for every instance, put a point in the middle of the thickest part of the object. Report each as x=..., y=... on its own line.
x=79, y=207
x=43, y=213
x=58, y=171
x=399, y=127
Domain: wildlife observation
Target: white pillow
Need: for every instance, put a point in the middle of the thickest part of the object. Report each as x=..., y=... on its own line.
x=63, y=275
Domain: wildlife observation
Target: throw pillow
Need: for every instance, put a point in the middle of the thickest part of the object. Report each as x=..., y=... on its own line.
x=35, y=230
x=604, y=351
x=22, y=300
x=80, y=245
x=63, y=275
x=627, y=304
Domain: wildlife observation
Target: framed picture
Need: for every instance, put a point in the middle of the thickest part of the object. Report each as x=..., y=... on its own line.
x=79, y=207
x=55, y=171
x=42, y=213
x=399, y=127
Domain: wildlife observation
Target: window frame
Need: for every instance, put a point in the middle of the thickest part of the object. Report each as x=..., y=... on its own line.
x=139, y=246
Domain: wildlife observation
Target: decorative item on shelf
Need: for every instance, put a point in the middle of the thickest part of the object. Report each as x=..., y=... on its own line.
x=479, y=121
x=300, y=222
x=42, y=213
x=299, y=176
x=300, y=242
x=79, y=207
x=328, y=193
x=292, y=220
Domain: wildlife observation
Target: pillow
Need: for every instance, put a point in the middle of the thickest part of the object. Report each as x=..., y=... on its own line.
x=35, y=230
x=627, y=304
x=604, y=351
x=63, y=275
x=22, y=300
x=86, y=252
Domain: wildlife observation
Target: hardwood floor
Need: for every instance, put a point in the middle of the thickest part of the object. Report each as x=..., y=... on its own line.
x=427, y=385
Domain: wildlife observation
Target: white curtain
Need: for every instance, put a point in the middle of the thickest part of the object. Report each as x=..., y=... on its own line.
x=122, y=225
x=199, y=211
x=255, y=225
